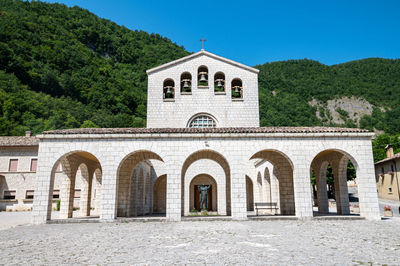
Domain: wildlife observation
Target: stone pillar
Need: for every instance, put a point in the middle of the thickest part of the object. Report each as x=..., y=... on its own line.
x=275, y=192
x=86, y=191
x=367, y=194
x=108, y=209
x=44, y=183
x=302, y=190
x=238, y=190
x=67, y=193
x=340, y=182
x=174, y=192
x=322, y=193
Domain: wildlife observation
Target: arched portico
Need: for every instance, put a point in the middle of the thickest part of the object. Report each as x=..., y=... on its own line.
x=136, y=178
x=337, y=161
x=283, y=172
x=214, y=164
x=69, y=167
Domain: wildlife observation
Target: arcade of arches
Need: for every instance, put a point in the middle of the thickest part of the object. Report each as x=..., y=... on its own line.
x=151, y=176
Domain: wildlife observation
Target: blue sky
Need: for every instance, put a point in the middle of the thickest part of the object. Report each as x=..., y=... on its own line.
x=255, y=32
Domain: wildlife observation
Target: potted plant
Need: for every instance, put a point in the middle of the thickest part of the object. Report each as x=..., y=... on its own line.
x=387, y=211
x=390, y=173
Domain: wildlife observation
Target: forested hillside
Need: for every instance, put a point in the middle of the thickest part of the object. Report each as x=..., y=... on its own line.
x=64, y=67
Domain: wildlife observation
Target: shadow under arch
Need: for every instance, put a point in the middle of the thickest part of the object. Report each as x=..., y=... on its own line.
x=283, y=170
x=135, y=178
x=71, y=162
x=338, y=159
x=211, y=155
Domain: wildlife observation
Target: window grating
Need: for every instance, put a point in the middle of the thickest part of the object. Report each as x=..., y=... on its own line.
x=202, y=122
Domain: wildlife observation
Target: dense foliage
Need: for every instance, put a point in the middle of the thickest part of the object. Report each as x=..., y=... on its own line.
x=296, y=82
x=64, y=67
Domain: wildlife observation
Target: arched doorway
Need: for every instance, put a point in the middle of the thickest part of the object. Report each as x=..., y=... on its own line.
x=211, y=163
x=249, y=194
x=71, y=185
x=330, y=172
x=208, y=180
x=278, y=184
x=136, y=180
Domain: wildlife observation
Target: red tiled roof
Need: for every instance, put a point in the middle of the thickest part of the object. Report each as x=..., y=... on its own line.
x=15, y=141
x=397, y=155
x=205, y=130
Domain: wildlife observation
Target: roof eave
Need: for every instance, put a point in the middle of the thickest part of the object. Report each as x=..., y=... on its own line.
x=202, y=52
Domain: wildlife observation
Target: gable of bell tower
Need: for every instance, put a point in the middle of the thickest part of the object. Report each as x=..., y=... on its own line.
x=202, y=90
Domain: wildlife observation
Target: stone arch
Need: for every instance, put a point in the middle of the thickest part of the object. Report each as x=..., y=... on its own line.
x=268, y=184
x=219, y=82
x=283, y=171
x=160, y=195
x=219, y=159
x=260, y=185
x=249, y=194
x=206, y=120
x=135, y=178
x=237, y=88
x=71, y=162
x=186, y=82
x=168, y=89
x=202, y=76
x=203, y=178
x=338, y=160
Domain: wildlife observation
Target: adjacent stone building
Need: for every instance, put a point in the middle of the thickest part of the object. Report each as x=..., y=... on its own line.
x=203, y=128
x=387, y=175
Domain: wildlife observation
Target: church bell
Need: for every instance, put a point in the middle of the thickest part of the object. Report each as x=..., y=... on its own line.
x=203, y=77
x=237, y=89
x=186, y=84
x=219, y=84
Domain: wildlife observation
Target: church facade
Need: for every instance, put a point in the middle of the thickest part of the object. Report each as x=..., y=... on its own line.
x=203, y=128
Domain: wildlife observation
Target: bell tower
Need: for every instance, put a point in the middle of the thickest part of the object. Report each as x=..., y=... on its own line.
x=202, y=90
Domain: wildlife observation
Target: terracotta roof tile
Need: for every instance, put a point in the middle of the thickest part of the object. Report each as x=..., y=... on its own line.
x=205, y=130
x=10, y=141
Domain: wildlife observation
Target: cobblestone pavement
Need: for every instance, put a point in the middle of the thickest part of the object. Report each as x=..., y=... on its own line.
x=217, y=242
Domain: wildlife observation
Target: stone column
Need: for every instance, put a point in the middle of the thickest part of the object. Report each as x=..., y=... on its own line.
x=173, y=207
x=275, y=191
x=68, y=190
x=322, y=193
x=238, y=190
x=367, y=194
x=302, y=190
x=341, y=190
x=86, y=191
x=44, y=183
x=108, y=210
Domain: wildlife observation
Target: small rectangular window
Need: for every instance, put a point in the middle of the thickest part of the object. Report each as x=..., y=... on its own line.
x=9, y=194
x=56, y=194
x=13, y=166
x=390, y=190
x=29, y=194
x=33, y=165
x=77, y=193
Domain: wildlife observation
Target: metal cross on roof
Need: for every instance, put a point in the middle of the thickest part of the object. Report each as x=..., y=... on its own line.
x=202, y=43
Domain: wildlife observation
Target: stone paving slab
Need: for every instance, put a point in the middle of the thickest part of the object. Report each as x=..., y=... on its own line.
x=299, y=242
